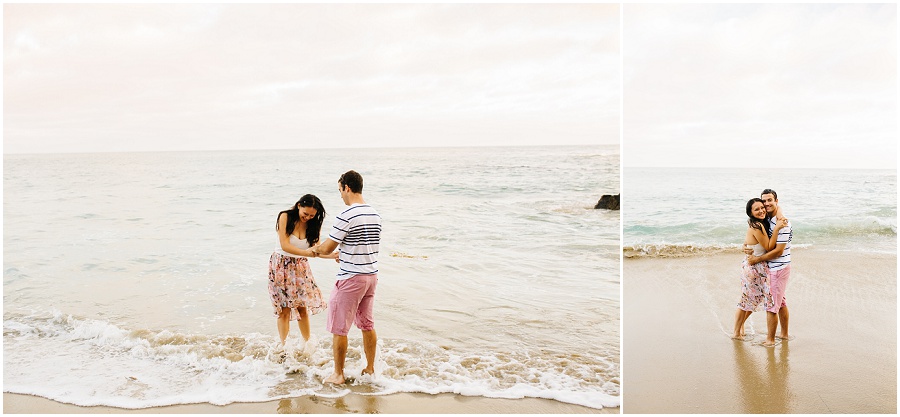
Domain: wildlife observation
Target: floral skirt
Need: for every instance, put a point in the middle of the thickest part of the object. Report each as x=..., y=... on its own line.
x=291, y=285
x=755, y=292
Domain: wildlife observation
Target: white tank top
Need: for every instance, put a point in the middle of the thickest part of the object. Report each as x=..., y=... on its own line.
x=296, y=241
x=758, y=250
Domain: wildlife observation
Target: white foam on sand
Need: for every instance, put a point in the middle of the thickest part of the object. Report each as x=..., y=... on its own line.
x=93, y=362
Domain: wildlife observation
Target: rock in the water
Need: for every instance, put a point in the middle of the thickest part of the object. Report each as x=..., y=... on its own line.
x=609, y=202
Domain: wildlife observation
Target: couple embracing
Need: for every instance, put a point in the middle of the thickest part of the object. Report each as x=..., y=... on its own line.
x=765, y=271
x=356, y=234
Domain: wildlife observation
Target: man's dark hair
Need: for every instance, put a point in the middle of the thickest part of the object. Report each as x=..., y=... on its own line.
x=353, y=180
x=769, y=191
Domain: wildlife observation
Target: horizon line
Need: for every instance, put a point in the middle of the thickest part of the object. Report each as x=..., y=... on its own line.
x=768, y=167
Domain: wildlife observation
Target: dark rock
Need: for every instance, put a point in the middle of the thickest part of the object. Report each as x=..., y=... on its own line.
x=609, y=202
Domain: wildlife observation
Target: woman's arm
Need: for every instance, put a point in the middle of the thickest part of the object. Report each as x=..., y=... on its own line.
x=779, y=224
x=285, y=239
x=332, y=255
x=767, y=242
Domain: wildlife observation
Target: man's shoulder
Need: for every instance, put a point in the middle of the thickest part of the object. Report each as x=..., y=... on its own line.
x=359, y=210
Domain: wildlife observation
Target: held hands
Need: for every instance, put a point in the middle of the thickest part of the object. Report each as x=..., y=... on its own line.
x=317, y=254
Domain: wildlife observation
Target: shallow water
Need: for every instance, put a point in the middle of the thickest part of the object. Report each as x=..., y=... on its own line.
x=139, y=279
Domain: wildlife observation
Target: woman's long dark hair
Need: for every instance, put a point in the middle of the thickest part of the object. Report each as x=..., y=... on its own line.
x=313, y=226
x=753, y=221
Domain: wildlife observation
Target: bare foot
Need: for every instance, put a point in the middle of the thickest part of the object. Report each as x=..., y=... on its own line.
x=370, y=371
x=768, y=344
x=791, y=337
x=277, y=354
x=334, y=379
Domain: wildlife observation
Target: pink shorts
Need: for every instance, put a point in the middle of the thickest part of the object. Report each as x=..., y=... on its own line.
x=777, y=285
x=352, y=301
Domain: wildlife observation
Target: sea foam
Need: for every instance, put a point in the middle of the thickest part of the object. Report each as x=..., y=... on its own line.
x=105, y=364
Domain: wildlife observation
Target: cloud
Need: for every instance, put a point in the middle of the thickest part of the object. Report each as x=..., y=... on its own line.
x=707, y=85
x=233, y=76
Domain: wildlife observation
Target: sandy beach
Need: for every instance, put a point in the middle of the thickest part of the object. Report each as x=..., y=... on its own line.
x=678, y=356
x=369, y=404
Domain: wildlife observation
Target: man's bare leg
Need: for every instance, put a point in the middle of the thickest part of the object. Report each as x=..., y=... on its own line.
x=339, y=349
x=772, y=325
x=783, y=318
x=370, y=340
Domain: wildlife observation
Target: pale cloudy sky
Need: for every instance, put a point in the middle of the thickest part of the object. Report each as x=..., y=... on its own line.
x=727, y=85
x=113, y=77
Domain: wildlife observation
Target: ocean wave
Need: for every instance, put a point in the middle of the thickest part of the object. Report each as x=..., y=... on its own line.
x=665, y=250
x=94, y=362
x=675, y=250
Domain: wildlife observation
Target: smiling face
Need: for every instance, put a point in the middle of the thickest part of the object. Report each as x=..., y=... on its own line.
x=758, y=210
x=306, y=213
x=771, y=203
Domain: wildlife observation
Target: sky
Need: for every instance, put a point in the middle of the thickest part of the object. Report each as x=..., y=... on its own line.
x=803, y=85
x=149, y=77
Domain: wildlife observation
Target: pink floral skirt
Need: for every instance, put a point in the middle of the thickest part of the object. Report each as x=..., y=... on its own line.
x=291, y=285
x=755, y=292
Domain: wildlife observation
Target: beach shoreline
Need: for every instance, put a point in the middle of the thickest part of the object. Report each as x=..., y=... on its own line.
x=400, y=403
x=686, y=362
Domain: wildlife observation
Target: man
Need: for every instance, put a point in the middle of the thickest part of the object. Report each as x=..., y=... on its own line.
x=357, y=234
x=779, y=261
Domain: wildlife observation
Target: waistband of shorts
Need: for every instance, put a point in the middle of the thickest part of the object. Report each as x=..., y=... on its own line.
x=290, y=255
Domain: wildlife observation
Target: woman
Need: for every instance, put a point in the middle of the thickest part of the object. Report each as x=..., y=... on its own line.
x=292, y=288
x=755, y=294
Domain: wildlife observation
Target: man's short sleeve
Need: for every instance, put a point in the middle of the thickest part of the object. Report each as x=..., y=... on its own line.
x=785, y=234
x=339, y=230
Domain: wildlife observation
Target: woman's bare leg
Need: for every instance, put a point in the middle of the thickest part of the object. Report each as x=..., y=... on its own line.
x=738, y=324
x=284, y=323
x=303, y=323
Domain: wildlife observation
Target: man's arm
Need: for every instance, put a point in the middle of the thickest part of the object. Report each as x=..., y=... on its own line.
x=772, y=254
x=326, y=247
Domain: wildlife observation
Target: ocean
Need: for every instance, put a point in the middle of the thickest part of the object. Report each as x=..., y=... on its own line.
x=136, y=280
x=695, y=211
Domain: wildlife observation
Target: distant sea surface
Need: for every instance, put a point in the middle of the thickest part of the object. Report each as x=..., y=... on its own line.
x=139, y=279
x=684, y=212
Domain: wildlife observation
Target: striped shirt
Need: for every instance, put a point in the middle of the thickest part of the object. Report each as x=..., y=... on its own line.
x=784, y=237
x=358, y=232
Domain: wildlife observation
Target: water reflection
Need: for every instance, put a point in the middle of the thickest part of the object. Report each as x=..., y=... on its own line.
x=764, y=377
x=366, y=404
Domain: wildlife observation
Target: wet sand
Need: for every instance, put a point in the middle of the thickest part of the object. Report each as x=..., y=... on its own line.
x=678, y=356
x=352, y=403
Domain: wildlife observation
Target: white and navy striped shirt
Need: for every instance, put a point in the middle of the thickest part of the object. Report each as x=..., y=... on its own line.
x=784, y=236
x=358, y=232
